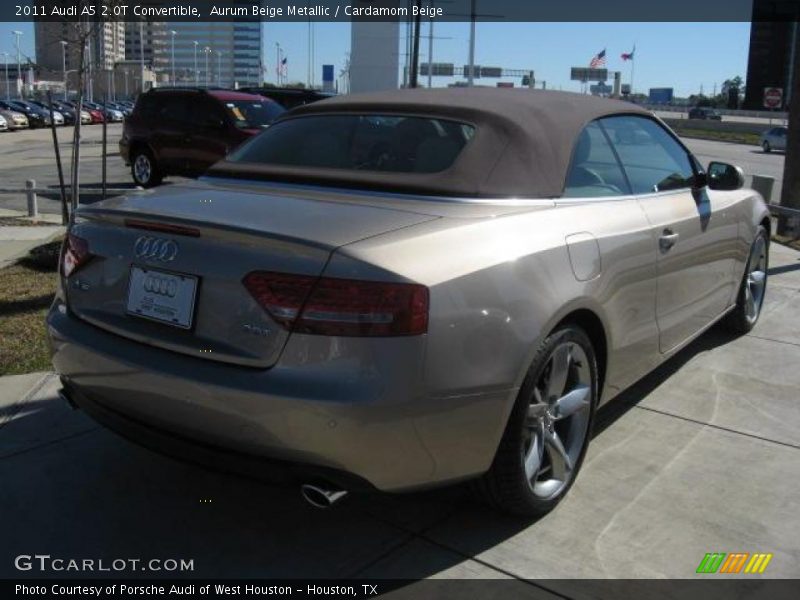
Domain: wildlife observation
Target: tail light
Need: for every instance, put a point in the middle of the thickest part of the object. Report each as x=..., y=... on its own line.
x=74, y=254
x=344, y=307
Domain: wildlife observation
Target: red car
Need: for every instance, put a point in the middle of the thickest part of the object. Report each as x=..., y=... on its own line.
x=97, y=116
x=183, y=131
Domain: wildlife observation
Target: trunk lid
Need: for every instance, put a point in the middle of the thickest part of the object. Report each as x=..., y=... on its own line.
x=232, y=233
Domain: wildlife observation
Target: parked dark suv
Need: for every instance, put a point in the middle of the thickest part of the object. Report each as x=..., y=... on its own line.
x=703, y=112
x=184, y=131
x=290, y=97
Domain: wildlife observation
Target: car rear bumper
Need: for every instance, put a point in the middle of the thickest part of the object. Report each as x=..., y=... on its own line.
x=362, y=416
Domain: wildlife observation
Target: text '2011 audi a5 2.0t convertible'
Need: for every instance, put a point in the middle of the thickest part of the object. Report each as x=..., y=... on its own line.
x=402, y=290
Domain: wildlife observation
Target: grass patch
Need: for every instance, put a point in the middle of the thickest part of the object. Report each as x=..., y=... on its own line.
x=752, y=139
x=26, y=292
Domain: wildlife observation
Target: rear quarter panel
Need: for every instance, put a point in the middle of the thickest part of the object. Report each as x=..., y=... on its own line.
x=499, y=285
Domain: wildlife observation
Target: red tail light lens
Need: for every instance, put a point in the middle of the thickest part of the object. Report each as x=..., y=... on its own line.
x=344, y=307
x=74, y=254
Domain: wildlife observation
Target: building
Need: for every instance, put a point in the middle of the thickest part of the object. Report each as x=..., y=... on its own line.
x=774, y=37
x=374, y=56
x=106, y=45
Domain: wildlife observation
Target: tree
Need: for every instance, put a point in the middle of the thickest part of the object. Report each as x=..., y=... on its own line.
x=79, y=34
x=791, y=170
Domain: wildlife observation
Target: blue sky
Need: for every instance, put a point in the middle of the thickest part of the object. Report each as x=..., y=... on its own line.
x=680, y=55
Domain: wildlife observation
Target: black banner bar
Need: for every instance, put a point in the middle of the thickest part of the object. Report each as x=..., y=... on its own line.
x=403, y=10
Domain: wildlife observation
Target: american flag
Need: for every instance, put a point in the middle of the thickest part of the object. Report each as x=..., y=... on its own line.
x=598, y=60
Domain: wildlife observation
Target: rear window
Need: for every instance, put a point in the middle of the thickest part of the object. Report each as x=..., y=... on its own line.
x=400, y=144
x=252, y=114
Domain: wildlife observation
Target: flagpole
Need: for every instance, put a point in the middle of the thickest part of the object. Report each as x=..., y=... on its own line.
x=633, y=66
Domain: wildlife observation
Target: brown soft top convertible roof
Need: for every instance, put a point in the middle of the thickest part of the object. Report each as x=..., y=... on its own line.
x=522, y=145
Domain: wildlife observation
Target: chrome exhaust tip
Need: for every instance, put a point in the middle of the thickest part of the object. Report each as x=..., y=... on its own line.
x=321, y=497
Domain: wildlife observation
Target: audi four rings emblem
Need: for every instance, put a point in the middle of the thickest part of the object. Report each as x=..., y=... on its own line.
x=160, y=285
x=155, y=249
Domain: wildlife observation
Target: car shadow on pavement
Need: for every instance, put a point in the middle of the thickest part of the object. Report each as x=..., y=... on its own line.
x=78, y=491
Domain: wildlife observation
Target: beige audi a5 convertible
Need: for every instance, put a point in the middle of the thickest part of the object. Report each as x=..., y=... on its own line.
x=404, y=290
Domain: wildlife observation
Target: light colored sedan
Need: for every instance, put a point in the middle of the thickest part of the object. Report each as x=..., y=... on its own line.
x=3, y=123
x=15, y=120
x=404, y=290
x=774, y=139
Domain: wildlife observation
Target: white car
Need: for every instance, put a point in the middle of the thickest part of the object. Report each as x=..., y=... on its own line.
x=3, y=123
x=58, y=118
x=774, y=139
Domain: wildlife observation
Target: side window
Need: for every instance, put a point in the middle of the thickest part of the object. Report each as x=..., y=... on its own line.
x=595, y=170
x=652, y=159
x=174, y=108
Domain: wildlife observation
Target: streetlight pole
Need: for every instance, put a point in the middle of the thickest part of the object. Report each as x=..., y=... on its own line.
x=17, y=34
x=64, y=65
x=172, y=75
x=471, y=74
x=278, y=65
x=141, y=52
x=207, y=50
x=196, y=72
x=8, y=82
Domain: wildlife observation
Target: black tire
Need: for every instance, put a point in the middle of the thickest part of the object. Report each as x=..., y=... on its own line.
x=144, y=169
x=766, y=147
x=741, y=319
x=506, y=485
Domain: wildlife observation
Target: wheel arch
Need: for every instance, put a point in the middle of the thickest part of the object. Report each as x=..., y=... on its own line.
x=591, y=323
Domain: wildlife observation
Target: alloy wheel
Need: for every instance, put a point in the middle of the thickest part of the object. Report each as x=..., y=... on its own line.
x=756, y=281
x=557, y=420
x=142, y=168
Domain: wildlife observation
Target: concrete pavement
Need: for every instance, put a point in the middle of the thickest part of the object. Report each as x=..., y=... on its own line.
x=17, y=240
x=701, y=456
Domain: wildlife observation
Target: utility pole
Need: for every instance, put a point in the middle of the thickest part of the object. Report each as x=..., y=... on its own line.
x=141, y=52
x=471, y=74
x=790, y=196
x=172, y=58
x=17, y=34
x=8, y=81
x=64, y=65
x=196, y=72
x=430, y=52
x=415, y=49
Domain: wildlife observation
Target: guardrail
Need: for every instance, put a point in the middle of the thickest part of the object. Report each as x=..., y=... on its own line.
x=30, y=190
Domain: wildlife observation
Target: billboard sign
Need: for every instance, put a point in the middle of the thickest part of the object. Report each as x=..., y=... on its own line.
x=600, y=89
x=661, y=95
x=586, y=74
x=491, y=72
x=439, y=69
x=327, y=78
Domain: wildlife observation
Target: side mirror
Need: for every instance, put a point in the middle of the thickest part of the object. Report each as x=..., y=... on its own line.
x=722, y=176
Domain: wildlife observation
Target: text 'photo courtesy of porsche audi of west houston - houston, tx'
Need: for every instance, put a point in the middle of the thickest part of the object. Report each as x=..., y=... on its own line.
x=403, y=290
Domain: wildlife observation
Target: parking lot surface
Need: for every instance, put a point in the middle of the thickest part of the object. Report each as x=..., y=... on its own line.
x=701, y=456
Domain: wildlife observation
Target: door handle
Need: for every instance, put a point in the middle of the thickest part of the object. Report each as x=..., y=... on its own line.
x=667, y=239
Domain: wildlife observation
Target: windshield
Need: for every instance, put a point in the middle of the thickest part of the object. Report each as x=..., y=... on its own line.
x=394, y=143
x=252, y=114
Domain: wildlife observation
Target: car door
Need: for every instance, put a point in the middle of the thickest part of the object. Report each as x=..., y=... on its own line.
x=169, y=131
x=694, y=231
x=208, y=140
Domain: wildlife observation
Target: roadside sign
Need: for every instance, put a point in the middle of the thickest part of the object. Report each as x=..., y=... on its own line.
x=600, y=88
x=585, y=74
x=773, y=97
x=505, y=84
